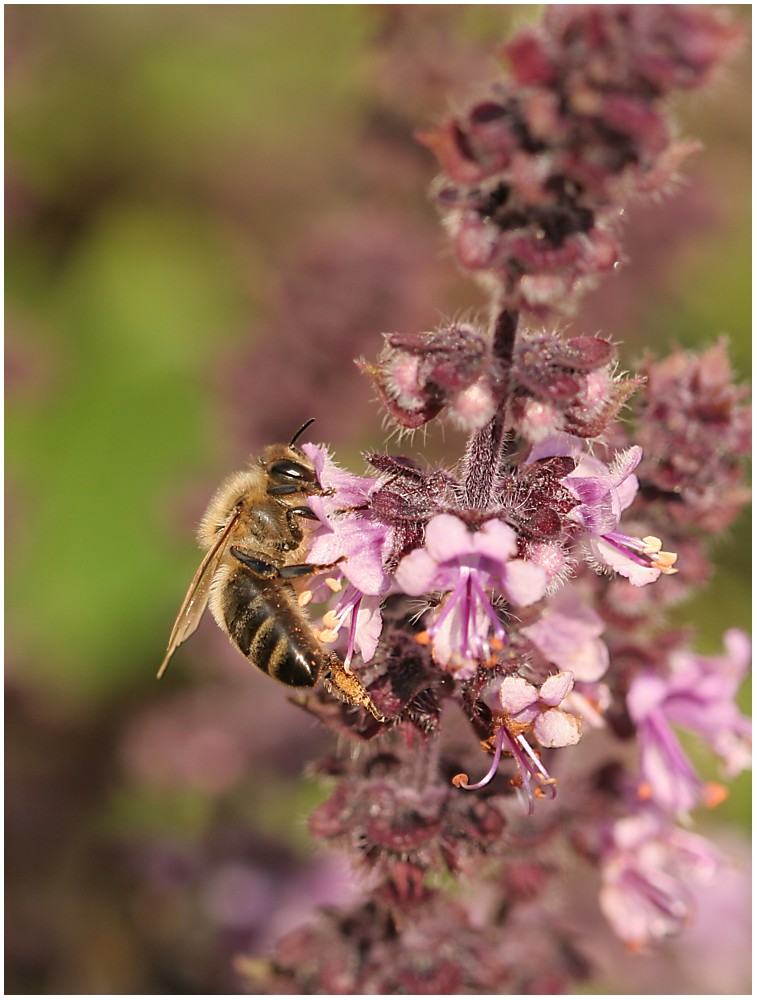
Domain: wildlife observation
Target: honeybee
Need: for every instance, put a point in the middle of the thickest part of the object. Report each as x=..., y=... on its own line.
x=256, y=537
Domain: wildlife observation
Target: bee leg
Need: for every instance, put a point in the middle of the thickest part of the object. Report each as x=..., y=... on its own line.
x=261, y=567
x=295, y=528
x=306, y=569
x=348, y=687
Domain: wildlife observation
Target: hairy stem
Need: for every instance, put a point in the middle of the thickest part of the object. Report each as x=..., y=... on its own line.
x=484, y=450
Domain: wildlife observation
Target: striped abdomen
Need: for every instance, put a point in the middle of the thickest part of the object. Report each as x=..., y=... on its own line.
x=264, y=621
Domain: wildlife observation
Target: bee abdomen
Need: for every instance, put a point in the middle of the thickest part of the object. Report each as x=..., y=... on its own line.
x=264, y=625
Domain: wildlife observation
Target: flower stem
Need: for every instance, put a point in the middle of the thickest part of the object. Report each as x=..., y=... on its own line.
x=484, y=451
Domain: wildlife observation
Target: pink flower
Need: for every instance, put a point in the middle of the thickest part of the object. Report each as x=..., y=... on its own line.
x=568, y=635
x=349, y=530
x=353, y=536
x=698, y=694
x=604, y=493
x=647, y=869
x=522, y=708
x=466, y=564
x=539, y=710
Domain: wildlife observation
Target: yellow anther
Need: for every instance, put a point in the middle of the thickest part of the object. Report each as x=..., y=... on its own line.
x=333, y=584
x=665, y=559
x=644, y=791
x=423, y=638
x=328, y=634
x=331, y=620
x=713, y=794
x=304, y=598
x=652, y=545
x=539, y=792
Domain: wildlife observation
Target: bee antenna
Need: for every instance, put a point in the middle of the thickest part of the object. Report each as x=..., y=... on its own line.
x=302, y=430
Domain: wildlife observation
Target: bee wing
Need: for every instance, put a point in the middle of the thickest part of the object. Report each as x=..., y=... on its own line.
x=196, y=600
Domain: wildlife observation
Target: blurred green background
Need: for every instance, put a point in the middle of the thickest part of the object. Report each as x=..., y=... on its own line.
x=210, y=211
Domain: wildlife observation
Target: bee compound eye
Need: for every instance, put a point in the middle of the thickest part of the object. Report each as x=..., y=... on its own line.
x=286, y=469
x=305, y=512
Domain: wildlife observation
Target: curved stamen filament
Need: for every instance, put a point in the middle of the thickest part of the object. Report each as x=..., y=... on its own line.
x=645, y=551
x=334, y=620
x=451, y=602
x=466, y=599
x=529, y=766
x=461, y=780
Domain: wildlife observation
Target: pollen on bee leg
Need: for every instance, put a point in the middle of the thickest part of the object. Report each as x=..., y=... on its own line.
x=333, y=584
x=304, y=598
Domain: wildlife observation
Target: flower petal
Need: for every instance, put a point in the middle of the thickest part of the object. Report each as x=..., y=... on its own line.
x=613, y=558
x=516, y=694
x=554, y=728
x=556, y=688
x=523, y=582
x=368, y=627
x=448, y=538
x=417, y=573
x=496, y=541
x=568, y=635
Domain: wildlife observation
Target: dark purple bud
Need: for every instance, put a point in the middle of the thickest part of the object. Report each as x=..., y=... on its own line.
x=565, y=385
x=529, y=59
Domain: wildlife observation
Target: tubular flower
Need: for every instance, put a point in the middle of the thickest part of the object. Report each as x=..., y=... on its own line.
x=351, y=535
x=698, y=695
x=567, y=634
x=647, y=869
x=525, y=709
x=466, y=564
x=532, y=780
x=349, y=530
x=538, y=710
x=604, y=492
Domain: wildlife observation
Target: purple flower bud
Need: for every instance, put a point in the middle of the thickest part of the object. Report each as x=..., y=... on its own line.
x=419, y=375
x=696, y=425
x=534, y=175
x=565, y=385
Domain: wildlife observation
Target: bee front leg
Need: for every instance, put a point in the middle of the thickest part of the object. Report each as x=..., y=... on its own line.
x=293, y=514
x=263, y=568
x=307, y=569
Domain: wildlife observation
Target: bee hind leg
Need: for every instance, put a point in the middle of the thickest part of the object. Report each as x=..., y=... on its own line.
x=349, y=688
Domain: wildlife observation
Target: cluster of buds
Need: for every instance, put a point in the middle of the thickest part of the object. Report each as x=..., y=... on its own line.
x=507, y=598
x=536, y=174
